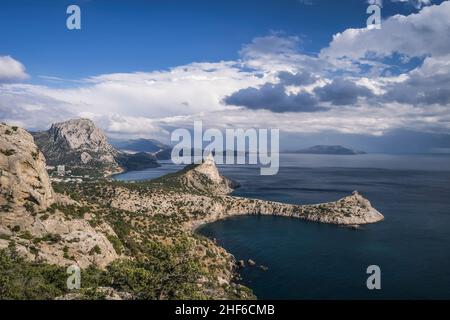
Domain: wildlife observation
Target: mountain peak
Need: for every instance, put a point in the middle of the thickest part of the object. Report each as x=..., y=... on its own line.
x=79, y=143
x=209, y=169
x=79, y=134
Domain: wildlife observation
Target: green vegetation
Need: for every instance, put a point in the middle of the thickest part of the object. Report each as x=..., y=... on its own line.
x=50, y=238
x=95, y=250
x=24, y=280
x=116, y=243
x=29, y=206
x=66, y=252
x=8, y=152
x=70, y=211
x=160, y=259
x=35, y=154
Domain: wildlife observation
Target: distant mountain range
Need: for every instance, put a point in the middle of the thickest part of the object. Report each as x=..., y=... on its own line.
x=324, y=149
x=158, y=149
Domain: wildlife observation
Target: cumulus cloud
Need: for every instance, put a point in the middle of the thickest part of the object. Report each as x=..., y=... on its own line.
x=416, y=3
x=342, y=92
x=427, y=85
x=297, y=79
x=417, y=35
x=278, y=52
x=11, y=70
x=139, y=101
x=275, y=98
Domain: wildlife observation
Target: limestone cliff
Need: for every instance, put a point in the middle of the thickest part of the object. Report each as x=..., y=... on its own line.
x=23, y=178
x=198, y=178
x=35, y=218
x=79, y=143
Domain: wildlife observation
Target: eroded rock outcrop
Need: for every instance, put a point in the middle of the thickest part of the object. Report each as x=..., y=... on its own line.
x=23, y=177
x=207, y=177
x=79, y=143
x=29, y=210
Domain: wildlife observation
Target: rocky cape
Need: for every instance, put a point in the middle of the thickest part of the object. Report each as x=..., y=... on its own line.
x=204, y=193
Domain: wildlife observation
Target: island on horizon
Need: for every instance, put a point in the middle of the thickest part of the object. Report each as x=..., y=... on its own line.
x=329, y=149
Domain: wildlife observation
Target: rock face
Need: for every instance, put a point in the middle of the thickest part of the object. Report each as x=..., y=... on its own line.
x=217, y=182
x=23, y=177
x=81, y=134
x=199, y=178
x=28, y=214
x=79, y=143
x=55, y=239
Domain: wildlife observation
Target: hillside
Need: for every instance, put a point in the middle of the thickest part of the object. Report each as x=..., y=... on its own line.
x=32, y=217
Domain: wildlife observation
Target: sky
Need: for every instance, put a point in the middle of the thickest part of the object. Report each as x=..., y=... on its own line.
x=311, y=68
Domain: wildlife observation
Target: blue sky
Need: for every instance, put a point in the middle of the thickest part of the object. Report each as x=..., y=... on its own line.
x=309, y=67
x=137, y=35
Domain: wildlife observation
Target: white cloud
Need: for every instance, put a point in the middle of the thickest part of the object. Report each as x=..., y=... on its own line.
x=11, y=70
x=417, y=35
x=416, y=3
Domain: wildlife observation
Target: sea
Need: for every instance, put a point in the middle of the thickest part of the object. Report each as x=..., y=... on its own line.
x=305, y=260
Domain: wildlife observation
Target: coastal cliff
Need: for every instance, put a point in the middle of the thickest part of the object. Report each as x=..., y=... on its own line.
x=201, y=194
x=350, y=210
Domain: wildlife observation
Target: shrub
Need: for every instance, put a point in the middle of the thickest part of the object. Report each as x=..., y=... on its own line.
x=8, y=152
x=21, y=280
x=95, y=250
x=167, y=272
x=66, y=252
x=52, y=238
x=116, y=243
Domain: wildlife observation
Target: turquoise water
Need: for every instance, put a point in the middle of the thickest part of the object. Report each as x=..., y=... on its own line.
x=317, y=261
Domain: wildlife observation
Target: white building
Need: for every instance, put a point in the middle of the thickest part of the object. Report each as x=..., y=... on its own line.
x=61, y=170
